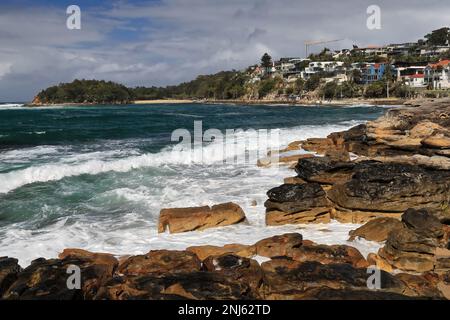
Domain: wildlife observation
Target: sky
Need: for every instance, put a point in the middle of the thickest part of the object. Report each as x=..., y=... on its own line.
x=166, y=42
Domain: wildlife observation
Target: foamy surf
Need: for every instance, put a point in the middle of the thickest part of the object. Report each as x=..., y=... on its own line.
x=80, y=164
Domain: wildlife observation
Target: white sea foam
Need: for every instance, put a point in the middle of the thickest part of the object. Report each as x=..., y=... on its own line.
x=177, y=184
x=81, y=164
x=10, y=105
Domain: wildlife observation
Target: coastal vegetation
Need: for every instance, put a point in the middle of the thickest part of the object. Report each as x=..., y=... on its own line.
x=86, y=91
x=407, y=70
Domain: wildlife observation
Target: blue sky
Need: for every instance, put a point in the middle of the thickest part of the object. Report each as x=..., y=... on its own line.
x=170, y=41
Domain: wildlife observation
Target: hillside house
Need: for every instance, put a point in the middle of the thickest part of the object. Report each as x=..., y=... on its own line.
x=437, y=75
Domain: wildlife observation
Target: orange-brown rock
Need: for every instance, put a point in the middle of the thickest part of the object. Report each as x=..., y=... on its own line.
x=282, y=159
x=314, y=215
x=278, y=246
x=376, y=230
x=240, y=269
x=319, y=145
x=418, y=245
x=328, y=254
x=437, y=141
x=338, y=155
x=97, y=258
x=358, y=216
x=297, y=203
x=324, y=170
x=295, y=145
x=241, y=250
x=375, y=260
x=160, y=262
x=294, y=180
x=289, y=279
x=200, y=218
x=424, y=285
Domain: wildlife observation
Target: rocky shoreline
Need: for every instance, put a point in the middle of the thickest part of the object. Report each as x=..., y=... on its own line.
x=392, y=175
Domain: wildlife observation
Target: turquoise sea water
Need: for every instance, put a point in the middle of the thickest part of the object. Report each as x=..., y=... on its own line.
x=95, y=177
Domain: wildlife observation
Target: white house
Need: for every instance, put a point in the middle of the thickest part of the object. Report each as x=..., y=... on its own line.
x=437, y=75
x=323, y=66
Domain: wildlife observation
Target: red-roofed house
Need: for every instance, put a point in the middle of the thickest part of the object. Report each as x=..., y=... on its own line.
x=437, y=75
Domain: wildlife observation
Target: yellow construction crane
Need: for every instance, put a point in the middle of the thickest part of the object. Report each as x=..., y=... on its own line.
x=316, y=42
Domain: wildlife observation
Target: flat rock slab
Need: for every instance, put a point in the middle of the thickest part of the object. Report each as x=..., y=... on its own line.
x=376, y=230
x=200, y=218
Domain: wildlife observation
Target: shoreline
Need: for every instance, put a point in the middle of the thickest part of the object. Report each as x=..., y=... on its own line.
x=317, y=103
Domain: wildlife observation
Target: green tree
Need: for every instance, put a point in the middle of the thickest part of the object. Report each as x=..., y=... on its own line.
x=312, y=83
x=299, y=86
x=375, y=90
x=439, y=37
x=266, y=61
x=266, y=86
x=329, y=90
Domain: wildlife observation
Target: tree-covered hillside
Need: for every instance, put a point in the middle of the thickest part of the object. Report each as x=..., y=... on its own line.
x=86, y=91
x=222, y=85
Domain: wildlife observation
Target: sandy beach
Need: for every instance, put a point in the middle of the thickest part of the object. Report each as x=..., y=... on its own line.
x=161, y=101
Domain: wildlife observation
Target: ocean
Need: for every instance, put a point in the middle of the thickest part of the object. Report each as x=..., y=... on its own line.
x=96, y=177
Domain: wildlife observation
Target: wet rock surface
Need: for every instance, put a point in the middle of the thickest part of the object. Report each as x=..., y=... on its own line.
x=200, y=218
x=297, y=203
x=376, y=230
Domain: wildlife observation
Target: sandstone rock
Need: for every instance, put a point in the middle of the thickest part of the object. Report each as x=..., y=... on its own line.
x=338, y=155
x=47, y=279
x=418, y=245
x=283, y=278
x=295, y=145
x=200, y=218
x=291, y=204
x=240, y=269
x=433, y=162
x=325, y=293
x=314, y=215
x=344, y=215
x=294, y=180
x=282, y=159
x=324, y=170
x=391, y=187
x=95, y=258
x=204, y=252
x=424, y=129
x=423, y=223
x=420, y=285
x=401, y=131
x=444, y=285
x=319, y=145
x=375, y=260
x=160, y=262
x=192, y=286
x=278, y=246
x=437, y=141
x=376, y=230
x=328, y=255
x=9, y=271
